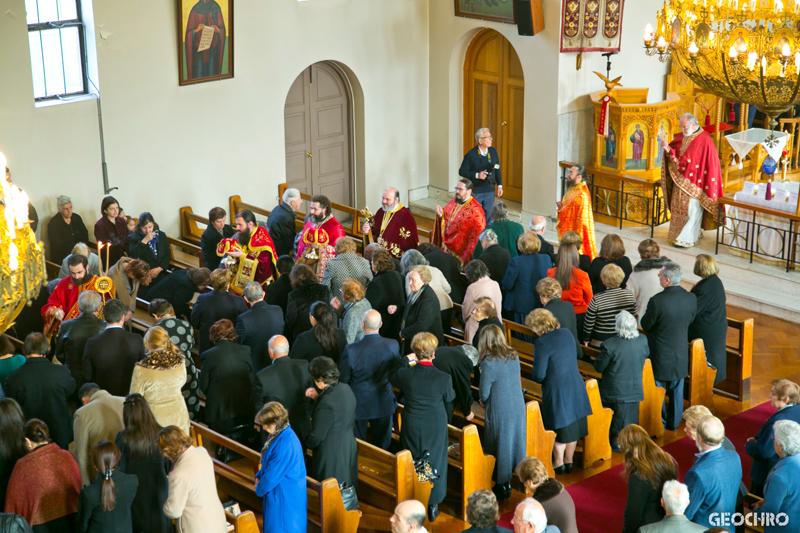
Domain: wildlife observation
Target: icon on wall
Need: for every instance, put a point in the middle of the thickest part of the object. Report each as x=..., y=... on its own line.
x=205, y=40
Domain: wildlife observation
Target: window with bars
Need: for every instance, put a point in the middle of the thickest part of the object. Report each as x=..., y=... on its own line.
x=58, y=51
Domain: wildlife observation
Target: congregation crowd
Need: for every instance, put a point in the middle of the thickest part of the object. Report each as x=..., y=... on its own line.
x=305, y=344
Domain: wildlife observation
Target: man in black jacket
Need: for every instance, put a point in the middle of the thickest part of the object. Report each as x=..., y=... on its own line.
x=450, y=268
x=109, y=358
x=258, y=325
x=65, y=230
x=365, y=366
x=73, y=334
x=494, y=256
x=215, y=305
x=481, y=165
x=538, y=226
x=41, y=388
x=666, y=322
x=286, y=381
x=281, y=221
x=216, y=230
x=277, y=292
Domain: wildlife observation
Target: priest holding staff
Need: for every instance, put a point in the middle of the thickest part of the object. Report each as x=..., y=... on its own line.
x=393, y=226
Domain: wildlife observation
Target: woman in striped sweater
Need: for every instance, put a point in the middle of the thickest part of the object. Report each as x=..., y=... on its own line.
x=602, y=312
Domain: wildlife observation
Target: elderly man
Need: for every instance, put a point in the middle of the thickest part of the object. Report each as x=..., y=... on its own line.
x=100, y=418
x=529, y=517
x=321, y=229
x=538, y=225
x=257, y=326
x=393, y=226
x=575, y=210
x=65, y=230
x=281, y=221
x=254, y=251
x=666, y=322
x=494, y=255
x=674, y=500
x=346, y=264
x=365, y=366
x=713, y=480
x=216, y=230
x=408, y=517
x=507, y=231
x=78, y=249
x=692, y=182
x=481, y=165
x=783, y=483
x=459, y=223
x=74, y=333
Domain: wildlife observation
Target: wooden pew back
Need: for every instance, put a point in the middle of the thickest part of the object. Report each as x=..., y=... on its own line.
x=190, y=231
x=386, y=479
x=739, y=366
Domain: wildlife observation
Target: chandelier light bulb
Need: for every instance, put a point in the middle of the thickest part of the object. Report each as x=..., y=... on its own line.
x=797, y=61
x=661, y=44
x=693, y=49
x=751, y=60
x=733, y=54
x=764, y=65
x=786, y=51
x=648, y=35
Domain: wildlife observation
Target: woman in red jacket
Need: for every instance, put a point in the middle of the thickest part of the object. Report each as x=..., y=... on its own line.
x=575, y=285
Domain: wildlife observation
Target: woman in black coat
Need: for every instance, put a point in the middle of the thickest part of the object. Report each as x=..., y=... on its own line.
x=139, y=455
x=228, y=381
x=385, y=289
x=151, y=245
x=324, y=338
x=179, y=288
x=485, y=315
x=332, y=439
x=711, y=321
x=98, y=510
x=565, y=403
x=612, y=251
x=421, y=313
x=424, y=392
x=306, y=290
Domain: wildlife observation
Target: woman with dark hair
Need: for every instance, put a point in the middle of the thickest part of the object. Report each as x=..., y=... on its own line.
x=9, y=361
x=711, y=321
x=524, y=272
x=139, y=455
x=480, y=285
x=385, y=289
x=424, y=392
x=151, y=245
x=281, y=480
x=324, y=338
x=105, y=505
x=45, y=483
x=504, y=431
x=575, y=285
x=558, y=504
x=612, y=252
x=306, y=289
x=355, y=305
x=179, y=289
x=12, y=441
x=193, y=501
x=647, y=467
x=332, y=422
x=228, y=381
x=111, y=228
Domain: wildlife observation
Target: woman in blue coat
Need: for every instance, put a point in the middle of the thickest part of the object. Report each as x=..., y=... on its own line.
x=565, y=404
x=281, y=481
x=524, y=272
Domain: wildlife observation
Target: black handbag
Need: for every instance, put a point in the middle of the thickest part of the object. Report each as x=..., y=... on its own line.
x=349, y=497
x=424, y=470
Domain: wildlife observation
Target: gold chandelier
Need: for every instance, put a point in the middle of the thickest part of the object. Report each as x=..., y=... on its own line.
x=22, y=267
x=744, y=51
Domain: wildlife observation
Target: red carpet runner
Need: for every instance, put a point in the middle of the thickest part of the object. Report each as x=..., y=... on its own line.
x=600, y=500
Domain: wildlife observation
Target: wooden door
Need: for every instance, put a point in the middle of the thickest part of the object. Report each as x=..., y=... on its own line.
x=494, y=98
x=318, y=134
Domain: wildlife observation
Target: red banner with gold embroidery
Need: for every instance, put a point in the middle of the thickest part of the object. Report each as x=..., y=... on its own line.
x=591, y=25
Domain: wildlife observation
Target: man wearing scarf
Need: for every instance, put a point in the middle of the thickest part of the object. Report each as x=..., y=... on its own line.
x=459, y=224
x=575, y=211
x=205, y=13
x=320, y=218
x=253, y=250
x=63, y=302
x=393, y=226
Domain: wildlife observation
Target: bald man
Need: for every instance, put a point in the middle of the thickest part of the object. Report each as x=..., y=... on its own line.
x=365, y=365
x=529, y=517
x=408, y=517
x=286, y=381
x=538, y=225
x=394, y=226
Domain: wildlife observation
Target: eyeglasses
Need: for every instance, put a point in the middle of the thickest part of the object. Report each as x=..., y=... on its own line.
x=462, y=189
x=486, y=137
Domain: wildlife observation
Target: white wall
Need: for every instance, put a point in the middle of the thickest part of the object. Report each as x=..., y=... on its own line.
x=169, y=146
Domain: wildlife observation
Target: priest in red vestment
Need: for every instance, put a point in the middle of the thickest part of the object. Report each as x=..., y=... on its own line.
x=393, y=226
x=692, y=182
x=459, y=223
x=321, y=218
x=252, y=250
x=575, y=211
x=63, y=302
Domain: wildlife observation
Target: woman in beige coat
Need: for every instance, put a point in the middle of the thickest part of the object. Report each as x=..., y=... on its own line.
x=193, y=500
x=159, y=378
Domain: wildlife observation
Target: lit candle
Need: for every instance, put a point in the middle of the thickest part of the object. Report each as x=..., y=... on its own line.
x=786, y=51
x=661, y=44
x=108, y=256
x=764, y=65
x=797, y=61
x=648, y=35
x=751, y=60
x=693, y=49
x=733, y=54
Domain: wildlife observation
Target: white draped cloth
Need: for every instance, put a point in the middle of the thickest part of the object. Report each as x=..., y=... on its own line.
x=744, y=141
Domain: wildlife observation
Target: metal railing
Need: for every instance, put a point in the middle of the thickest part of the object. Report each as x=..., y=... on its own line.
x=621, y=204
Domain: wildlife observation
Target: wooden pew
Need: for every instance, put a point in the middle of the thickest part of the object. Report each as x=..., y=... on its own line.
x=185, y=254
x=244, y=522
x=739, y=367
x=236, y=204
x=385, y=479
x=699, y=386
x=190, y=231
x=539, y=442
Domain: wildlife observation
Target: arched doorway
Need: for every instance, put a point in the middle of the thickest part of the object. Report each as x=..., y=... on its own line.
x=319, y=133
x=494, y=96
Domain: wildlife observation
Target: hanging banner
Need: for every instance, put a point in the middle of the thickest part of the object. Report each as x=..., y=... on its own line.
x=591, y=25
x=603, y=122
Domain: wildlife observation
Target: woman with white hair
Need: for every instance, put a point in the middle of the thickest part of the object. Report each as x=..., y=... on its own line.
x=65, y=230
x=782, y=489
x=439, y=284
x=79, y=249
x=621, y=362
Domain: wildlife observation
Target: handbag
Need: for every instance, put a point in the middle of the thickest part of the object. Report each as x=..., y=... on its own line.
x=349, y=497
x=424, y=470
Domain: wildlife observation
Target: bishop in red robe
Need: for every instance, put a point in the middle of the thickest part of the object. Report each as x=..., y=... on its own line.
x=692, y=182
x=321, y=218
x=459, y=223
x=393, y=226
x=253, y=251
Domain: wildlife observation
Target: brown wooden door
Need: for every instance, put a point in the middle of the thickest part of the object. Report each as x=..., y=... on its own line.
x=318, y=134
x=494, y=96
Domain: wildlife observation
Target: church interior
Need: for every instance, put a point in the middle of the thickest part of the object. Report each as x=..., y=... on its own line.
x=345, y=98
